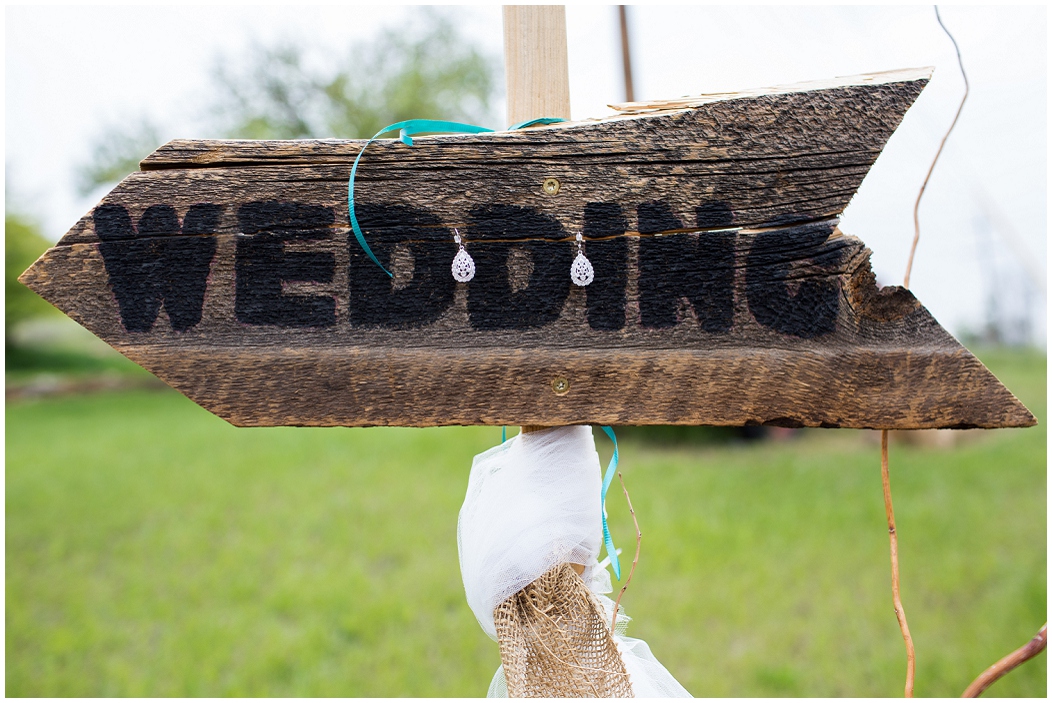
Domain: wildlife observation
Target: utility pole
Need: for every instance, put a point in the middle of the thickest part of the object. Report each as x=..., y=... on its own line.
x=626, y=56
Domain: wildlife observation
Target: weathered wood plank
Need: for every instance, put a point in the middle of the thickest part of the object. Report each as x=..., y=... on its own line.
x=858, y=112
x=701, y=198
x=723, y=292
x=691, y=101
x=779, y=326
x=750, y=162
x=419, y=387
x=747, y=201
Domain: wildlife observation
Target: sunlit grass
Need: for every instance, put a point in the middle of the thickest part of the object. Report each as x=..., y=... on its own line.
x=154, y=550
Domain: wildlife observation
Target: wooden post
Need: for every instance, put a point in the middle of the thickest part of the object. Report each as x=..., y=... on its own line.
x=536, y=71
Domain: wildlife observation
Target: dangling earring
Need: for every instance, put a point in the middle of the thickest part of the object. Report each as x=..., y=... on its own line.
x=581, y=270
x=463, y=265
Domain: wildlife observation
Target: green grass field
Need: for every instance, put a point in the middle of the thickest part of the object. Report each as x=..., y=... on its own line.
x=154, y=550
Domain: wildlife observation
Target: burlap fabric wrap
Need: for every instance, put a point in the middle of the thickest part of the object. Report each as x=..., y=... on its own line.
x=555, y=641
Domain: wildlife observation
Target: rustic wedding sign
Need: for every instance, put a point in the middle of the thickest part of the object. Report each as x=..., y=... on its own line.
x=724, y=294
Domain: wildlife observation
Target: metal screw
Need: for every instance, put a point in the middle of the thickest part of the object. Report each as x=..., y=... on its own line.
x=551, y=186
x=560, y=385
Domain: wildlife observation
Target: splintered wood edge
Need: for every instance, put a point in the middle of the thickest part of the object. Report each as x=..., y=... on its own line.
x=650, y=107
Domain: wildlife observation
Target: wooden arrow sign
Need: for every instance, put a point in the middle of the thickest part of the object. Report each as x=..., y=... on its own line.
x=723, y=294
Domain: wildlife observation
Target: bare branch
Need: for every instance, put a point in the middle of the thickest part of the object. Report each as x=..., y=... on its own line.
x=1029, y=650
x=916, y=206
x=639, y=541
x=899, y=612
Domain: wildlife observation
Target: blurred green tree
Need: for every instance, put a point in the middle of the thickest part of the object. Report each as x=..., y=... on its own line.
x=425, y=69
x=23, y=244
x=116, y=152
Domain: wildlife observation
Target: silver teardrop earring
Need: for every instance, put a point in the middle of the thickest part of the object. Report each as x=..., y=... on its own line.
x=463, y=265
x=581, y=270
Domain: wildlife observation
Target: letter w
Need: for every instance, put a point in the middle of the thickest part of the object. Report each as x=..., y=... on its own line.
x=158, y=263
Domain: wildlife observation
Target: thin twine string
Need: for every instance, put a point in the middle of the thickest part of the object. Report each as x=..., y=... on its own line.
x=1028, y=651
x=635, y=561
x=916, y=206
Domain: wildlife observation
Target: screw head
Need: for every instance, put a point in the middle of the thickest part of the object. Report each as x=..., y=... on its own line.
x=560, y=385
x=551, y=186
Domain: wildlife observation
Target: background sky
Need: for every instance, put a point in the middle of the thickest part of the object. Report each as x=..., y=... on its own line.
x=70, y=71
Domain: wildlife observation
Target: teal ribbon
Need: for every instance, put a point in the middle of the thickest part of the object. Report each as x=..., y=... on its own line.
x=503, y=434
x=539, y=120
x=611, y=469
x=405, y=130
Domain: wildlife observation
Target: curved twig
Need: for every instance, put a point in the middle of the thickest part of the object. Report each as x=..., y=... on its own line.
x=893, y=536
x=1029, y=650
x=916, y=206
x=639, y=541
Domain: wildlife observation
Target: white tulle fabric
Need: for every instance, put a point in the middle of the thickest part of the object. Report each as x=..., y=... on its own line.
x=533, y=503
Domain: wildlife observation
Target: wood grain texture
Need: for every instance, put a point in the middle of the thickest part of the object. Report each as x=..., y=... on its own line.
x=723, y=292
x=537, y=75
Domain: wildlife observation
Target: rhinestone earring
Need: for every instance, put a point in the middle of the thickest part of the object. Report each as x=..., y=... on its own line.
x=581, y=270
x=463, y=265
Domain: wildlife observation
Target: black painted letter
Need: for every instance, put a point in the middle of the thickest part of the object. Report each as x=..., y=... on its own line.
x=262, y=265
x=415, y=297
x=609, y=257
x=495, y=298
x=698, y=267
x=158, y=263
x=811, y=310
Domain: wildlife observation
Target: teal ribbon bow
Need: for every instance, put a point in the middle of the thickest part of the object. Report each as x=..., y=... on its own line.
x=405, y=130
